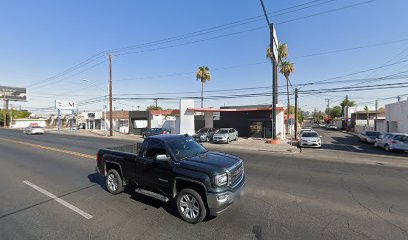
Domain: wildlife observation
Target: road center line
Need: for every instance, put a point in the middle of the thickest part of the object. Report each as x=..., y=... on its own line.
x=50, y=148
x=59, y=200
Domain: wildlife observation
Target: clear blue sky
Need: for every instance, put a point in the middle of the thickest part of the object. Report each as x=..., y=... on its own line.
x=42, y=38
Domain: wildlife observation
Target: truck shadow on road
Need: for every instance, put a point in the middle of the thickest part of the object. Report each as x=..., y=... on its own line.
x=170, y=207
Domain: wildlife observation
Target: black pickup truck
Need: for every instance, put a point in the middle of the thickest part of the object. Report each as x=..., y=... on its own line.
x=175, y=168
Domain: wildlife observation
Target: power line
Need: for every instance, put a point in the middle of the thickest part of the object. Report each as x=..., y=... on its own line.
x=181, y=37
x=201, y=40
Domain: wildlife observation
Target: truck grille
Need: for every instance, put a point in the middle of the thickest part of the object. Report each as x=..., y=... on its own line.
x=235, y=175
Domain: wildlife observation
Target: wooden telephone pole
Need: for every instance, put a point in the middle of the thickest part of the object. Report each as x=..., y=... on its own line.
x=296, y=111
x=110, y=97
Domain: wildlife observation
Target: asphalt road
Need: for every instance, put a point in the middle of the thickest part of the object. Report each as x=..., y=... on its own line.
x=346, y=190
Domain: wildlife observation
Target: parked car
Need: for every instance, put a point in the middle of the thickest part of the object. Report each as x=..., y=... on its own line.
x=33, y=130
x=331, y=127
x=368, y=136
x=204, y=134
x=322, y=125
x=175, y=168
x=392, y=141
x=304, y=130
x=225, y=135
x=155, y=131
x=310, y=139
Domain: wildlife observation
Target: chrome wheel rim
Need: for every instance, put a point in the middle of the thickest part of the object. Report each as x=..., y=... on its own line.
x=189, y=206
x=112, y=182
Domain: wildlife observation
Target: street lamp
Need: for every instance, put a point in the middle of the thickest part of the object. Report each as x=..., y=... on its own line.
x=104, y=100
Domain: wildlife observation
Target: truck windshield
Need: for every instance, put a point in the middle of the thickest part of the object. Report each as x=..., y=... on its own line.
x=186, y=147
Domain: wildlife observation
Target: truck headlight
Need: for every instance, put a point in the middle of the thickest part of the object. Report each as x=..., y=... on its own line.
x=221, y=180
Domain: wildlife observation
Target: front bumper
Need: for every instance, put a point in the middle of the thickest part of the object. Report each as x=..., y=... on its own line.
x=219, y=202
x=200, y=138
x=370, y=140
x=220, y=140
x=311, y=144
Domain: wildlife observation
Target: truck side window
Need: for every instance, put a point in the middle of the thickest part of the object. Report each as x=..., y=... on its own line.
x=152, y=149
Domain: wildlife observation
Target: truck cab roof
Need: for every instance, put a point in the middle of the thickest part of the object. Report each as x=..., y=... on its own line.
x=168, y=137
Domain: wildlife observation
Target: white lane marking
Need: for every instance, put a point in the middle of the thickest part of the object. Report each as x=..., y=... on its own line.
x=59, y=200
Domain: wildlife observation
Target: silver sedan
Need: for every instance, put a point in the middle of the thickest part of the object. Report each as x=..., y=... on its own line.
x=225, y=135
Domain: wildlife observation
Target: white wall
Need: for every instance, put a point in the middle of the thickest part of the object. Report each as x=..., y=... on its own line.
x=381, y=125
x=361, y=125
x=23, y=123
x=162, y=121
x=280, y=124
x=186, y=117
x=397, y=116
x=209, y=120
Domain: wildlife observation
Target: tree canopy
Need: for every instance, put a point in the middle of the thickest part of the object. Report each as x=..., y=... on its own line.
x=335, y=112
x=153, y=107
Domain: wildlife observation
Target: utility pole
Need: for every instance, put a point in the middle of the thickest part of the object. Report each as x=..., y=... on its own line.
x=296, y=111
x=274, y=70
x=376, y=115
x=347, y=113
x=328, y=107
x=110, y=97
x=5, y=110
x=156, y=101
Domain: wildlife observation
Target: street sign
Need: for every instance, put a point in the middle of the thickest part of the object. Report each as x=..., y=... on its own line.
x=13, y=93
x=275, y=44
x=65, y=105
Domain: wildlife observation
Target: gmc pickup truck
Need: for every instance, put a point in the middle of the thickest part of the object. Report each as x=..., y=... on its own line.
x=175, y=168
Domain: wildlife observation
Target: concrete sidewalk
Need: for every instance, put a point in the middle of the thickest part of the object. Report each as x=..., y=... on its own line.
x=255, y=145
x=242, y=144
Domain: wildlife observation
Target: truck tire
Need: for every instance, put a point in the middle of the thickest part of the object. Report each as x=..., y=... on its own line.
x=190, y=206
x=114, y=183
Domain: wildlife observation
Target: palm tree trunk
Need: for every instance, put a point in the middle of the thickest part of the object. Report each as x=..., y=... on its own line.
x=368, y=122
x=202, y=94
x=288, y=108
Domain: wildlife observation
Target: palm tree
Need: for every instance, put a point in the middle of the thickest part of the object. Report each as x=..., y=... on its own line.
x=286, y=68
x=282, y=52
x=367, y=115
x=203, y=74
x=345, y=104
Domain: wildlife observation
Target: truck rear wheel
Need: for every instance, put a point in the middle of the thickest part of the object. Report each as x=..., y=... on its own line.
x=114, y=182
x=191, y=206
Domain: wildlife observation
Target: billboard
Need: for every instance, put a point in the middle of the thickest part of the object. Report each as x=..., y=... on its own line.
x=13, y=93
x=275, y=44
x=65, y=105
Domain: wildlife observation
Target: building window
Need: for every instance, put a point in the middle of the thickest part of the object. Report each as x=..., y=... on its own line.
x=140, y=123
x=123, y=123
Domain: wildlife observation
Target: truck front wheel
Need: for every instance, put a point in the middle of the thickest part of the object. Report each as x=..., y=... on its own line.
x=114, y=182
x=191, y=206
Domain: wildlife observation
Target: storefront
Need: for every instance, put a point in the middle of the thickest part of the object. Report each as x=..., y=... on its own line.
x=250, y=121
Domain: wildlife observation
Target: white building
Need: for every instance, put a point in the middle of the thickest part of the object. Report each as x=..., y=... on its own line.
x=397, y=117
x=91, y=120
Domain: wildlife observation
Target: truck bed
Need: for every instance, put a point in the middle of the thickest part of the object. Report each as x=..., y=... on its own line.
x=131, y=148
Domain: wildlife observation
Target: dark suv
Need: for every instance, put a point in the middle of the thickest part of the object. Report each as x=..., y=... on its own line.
x=175, y=168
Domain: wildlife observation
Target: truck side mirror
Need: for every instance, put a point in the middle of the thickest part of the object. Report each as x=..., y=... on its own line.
x=162, y=158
